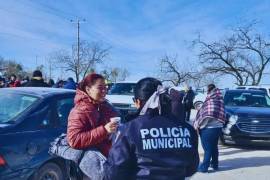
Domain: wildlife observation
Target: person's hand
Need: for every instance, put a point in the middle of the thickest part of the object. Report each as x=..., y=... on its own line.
x=111, y=127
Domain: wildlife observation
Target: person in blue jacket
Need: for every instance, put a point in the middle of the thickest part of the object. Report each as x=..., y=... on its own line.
x=156, y=144
x=70, y=84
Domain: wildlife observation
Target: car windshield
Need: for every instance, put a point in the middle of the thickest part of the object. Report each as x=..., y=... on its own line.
x=251, y=99
x=11, y=105
x=122, y=89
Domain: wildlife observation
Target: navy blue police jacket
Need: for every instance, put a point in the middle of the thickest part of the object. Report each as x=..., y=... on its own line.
x=154, y=147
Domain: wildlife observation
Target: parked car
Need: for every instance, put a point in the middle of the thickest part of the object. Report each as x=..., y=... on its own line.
x=248, y=114
x=120, y=95
x=31, y=118
x=109, y=85
x=199, y=99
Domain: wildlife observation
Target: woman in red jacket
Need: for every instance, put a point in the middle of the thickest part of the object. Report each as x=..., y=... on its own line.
x=89, y=123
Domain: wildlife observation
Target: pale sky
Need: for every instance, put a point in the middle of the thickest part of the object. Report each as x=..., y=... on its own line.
x=140, y=32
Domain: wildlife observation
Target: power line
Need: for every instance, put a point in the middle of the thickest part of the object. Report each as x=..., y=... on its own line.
x=12, y=35
x=45, y=7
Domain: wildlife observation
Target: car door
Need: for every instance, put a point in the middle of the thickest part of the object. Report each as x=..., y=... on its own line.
x=26, y=148
x=25, y=143
x=45, y=130
x=53, y=126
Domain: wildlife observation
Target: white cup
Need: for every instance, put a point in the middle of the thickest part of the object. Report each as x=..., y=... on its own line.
x=116, y=119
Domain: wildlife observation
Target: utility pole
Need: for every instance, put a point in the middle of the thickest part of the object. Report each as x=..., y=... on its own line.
x=36, y=61
x=78, y=21
x=50, y=69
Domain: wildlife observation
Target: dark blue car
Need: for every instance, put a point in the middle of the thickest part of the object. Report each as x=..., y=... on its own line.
x=248, y=113
x=31, y=118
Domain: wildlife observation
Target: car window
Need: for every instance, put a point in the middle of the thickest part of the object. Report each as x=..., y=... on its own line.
x=63, y=108
x=11, y=105
x=122, y=89
x=246, y=99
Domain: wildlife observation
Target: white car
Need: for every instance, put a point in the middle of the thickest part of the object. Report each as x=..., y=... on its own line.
x=265, y=88
x=121, y=96
x=198, y=100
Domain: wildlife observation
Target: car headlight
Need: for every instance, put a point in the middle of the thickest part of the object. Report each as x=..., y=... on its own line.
x=233, y=119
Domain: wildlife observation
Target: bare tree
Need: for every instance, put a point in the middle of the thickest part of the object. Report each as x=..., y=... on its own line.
x=124, y=73
x=244, y=55
x=89, y=55
x=202, y=79
x=115, y=74
x=171, y=72
x=3, y=66
x=9, y=67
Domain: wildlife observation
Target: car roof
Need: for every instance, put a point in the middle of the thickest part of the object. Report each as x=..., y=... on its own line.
x=38, y=91
x=248, y=86
x=246, y=90
x=126, y=82
x=251, y=86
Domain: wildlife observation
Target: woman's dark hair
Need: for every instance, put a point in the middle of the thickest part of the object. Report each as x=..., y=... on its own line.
x=144, y=90
x=210, y=87
x=89, y=81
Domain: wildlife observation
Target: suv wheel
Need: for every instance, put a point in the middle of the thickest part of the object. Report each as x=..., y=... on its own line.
x=49, y=171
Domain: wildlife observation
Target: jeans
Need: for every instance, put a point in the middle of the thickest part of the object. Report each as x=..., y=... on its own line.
x=209, y=139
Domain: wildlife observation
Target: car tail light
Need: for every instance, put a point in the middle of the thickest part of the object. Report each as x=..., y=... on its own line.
x=2, y=161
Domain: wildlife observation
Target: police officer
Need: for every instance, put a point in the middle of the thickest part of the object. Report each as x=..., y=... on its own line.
x=154, y=145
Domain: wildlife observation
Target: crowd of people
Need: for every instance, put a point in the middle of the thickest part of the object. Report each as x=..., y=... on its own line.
x=157, y=142
x=37, y=80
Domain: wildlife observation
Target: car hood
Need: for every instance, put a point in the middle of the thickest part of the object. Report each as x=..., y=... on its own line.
x=5, y=128
x=120, y=99
x=4, y=125
x=248, y=111
x=200, y=97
